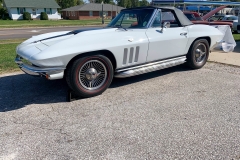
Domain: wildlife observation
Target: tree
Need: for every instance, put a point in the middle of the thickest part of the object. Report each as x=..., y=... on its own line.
x=123, y=3
x=128, y=3
x=66, y=3
x=4, y=14
x=104, y=1
x=80, y=2
x=143, y=3
x=135, y=3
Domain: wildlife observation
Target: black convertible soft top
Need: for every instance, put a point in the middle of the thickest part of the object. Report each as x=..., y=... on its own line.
x=181, y=17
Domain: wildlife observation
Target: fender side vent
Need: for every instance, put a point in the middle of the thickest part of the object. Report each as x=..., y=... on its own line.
x=136, y=54
x=125, y=55
x=133, y=55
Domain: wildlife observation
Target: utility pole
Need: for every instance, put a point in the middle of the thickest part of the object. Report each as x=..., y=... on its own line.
x=102, y=13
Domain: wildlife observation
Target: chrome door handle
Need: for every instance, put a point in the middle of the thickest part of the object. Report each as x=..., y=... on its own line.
x=183, y=34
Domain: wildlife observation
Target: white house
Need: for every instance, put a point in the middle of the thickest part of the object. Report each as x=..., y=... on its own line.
x=34, y=7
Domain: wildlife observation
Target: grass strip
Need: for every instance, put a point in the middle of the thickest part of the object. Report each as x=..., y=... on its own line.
x=48, y=23
x=12, y=41
x=7, y=56
x=236, y=37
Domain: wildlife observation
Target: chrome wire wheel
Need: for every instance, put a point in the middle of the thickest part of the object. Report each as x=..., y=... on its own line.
x=200, y=53
x=92, y=75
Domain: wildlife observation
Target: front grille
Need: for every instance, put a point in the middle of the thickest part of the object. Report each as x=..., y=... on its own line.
x=25, y=61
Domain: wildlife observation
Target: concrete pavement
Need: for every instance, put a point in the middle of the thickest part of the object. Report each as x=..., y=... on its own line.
x=176, y=113
x=232, y=58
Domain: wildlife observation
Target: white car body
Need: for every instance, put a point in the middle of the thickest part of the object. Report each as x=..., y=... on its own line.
x=132, y=51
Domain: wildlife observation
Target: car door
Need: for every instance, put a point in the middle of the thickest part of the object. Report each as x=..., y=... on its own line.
x=166, y=43
x=130, y=43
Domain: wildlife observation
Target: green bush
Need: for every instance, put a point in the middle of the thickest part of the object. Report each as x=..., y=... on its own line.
x=6, y=17
x=4, y=14
x=44, y=16
x=26, y=16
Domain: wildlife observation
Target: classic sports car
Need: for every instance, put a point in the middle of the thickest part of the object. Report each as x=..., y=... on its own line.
x=134, y=42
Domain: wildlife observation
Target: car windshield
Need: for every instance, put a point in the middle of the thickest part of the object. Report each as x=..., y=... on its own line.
x=132, y=19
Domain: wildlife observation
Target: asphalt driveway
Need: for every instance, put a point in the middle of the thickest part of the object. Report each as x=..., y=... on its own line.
x=18, y=33
x=174, y=113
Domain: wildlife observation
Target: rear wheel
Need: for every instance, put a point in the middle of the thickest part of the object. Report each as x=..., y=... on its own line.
x=198, y=54
x=90, y=76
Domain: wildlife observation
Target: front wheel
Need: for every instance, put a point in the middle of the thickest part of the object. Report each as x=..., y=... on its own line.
x=198, y=54
x=90, y=76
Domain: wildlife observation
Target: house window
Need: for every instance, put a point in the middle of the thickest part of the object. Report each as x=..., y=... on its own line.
x=73, y=13
x=34, y=11
x=20, y=10
x=48, y=10
x=90, y=13
x=105, y=14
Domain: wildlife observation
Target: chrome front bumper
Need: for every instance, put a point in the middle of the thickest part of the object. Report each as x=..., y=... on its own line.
x=49, y=73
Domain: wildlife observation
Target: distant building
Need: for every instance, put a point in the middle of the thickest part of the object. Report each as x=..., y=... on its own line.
x=91, y=11
x=34, y=7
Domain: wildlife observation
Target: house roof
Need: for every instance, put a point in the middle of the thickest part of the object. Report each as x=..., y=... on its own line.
x=32, y=3
x=94, y=7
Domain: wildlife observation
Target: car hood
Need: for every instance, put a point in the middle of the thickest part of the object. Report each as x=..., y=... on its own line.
x=39, y=43
x=211, y=13
x=57, y=35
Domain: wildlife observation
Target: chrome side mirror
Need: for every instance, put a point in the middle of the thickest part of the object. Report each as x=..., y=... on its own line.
x=165, y=25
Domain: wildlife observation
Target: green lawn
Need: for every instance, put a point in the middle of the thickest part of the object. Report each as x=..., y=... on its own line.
x=7, y=56
x=48, y=23
x=236, y=37
x=10, y=41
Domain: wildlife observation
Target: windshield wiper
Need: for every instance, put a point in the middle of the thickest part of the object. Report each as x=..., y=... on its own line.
x=119, y=26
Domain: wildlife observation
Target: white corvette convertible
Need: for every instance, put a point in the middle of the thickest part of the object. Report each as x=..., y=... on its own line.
x=137, y=41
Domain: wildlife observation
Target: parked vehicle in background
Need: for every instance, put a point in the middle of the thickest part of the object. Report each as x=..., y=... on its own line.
x=150, y=39
x=226, y=18
x=195, y=18
x=238, y=25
